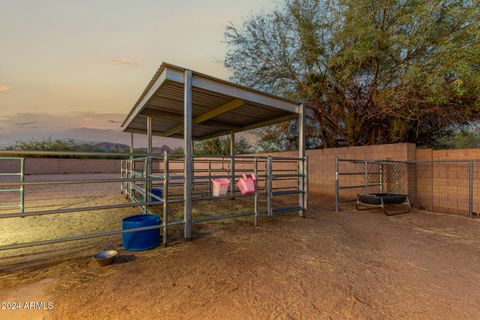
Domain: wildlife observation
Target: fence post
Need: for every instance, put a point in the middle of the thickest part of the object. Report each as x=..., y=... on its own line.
x=470, y=188
x=232, y=164
x=337, y=186
x=382, y=168
x=131, y=183
x=121, y=176
x=209, y=177
x=22, y=187
x=145, y=185
x=165, y=197
x=131, y=163
x=305, y=184
x=301, y=186
x=269, y=186
x=366, y=176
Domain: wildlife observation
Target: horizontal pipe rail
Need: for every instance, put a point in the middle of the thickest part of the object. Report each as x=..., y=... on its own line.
x=287, y=209
x=63, y=182
x=360, y=186
x=11, y=190
x=356, y=173
x=227, y=156
x=75, y=153
x=74, y=210
x=11, y=206
x=225, y=161
x=293, y=159
x=222, y=197
x=275, y=176
x=288, y=192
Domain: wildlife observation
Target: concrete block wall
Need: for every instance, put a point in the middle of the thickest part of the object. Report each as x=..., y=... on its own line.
x=443, y=186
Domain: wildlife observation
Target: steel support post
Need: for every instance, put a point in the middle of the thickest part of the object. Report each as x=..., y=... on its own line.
x=148, y=163
x=337, y=185
x=301, y=155
x=187, y=133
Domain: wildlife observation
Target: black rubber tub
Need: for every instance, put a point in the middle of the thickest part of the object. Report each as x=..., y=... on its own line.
x=388, y=198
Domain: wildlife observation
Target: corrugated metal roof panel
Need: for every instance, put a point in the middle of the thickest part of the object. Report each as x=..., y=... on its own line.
x=163, y=100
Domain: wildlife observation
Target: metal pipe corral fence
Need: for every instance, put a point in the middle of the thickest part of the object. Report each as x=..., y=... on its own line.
x=433, y=185
x=141, y=172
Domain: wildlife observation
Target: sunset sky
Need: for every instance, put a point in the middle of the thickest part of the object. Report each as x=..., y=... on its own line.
x=73, y=69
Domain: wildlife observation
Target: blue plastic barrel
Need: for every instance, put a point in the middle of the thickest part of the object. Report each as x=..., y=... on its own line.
x=157, y=192
x=141, y=240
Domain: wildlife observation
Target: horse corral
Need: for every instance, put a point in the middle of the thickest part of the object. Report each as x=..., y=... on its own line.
x=248, y=260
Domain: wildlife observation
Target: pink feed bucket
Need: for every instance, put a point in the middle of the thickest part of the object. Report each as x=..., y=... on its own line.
x=220, y=186
x=246, y=184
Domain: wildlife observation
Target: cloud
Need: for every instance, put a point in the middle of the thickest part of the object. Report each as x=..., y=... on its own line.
x=5, y=88
x=25, y=123
x=121, y=61
x=19, y=126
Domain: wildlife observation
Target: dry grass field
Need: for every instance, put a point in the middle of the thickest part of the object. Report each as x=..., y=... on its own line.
x=347, y=265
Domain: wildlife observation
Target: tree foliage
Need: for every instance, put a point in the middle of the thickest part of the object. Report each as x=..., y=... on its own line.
x=50, y=144
x=371, y=71
x=178, y=150
x=281, y=137
x=221, y=146
x=462, y=138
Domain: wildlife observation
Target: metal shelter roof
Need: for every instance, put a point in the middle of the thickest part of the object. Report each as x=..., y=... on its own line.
x=219, y=107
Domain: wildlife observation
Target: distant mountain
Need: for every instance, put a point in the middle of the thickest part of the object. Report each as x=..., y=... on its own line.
x=109, y=146
x=162, y=149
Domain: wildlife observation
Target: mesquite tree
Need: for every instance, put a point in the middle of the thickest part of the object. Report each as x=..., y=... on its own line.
x=371, y=71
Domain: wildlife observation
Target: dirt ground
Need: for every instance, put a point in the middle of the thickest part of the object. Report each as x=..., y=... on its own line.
x=347, y=265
